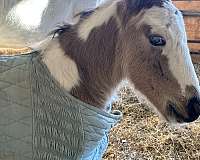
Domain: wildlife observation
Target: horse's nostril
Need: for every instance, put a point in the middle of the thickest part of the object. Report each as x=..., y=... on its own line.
x=173, y=112
x=193, y=109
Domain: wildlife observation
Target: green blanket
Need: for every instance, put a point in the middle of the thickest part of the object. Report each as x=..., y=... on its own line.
x=39, y=120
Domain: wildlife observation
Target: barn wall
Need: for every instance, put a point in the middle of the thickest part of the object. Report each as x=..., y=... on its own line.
x=5, y=6
x=50, y=15
x=191, y=12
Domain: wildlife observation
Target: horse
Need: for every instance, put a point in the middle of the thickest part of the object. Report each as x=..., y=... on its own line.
x=142, y=41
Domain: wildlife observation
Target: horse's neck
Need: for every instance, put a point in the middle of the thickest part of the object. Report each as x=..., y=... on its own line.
x=96, y=60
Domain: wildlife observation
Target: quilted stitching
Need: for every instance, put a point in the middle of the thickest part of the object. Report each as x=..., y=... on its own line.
x=40, y=121
x=15, y=111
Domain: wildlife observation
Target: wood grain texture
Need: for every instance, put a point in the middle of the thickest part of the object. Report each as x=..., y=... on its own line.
x=192, y=27
x=195, y=58
x=194, y=47
x=192, y=5
x=192, y=23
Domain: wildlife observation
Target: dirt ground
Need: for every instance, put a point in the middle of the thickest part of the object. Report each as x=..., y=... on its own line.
x=142, y=136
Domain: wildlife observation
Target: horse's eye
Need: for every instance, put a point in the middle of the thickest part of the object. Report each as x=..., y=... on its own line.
x=157, y=40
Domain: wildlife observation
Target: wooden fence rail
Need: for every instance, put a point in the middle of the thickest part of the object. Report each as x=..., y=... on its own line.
x=191, y=13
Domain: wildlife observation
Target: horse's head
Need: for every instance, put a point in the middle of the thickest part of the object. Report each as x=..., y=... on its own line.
x=156, y=58
x=142, y=40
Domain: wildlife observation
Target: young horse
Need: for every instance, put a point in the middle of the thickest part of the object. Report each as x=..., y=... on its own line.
x=143, y=41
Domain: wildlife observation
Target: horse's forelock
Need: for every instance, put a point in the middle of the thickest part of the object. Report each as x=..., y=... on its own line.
x=135, y=6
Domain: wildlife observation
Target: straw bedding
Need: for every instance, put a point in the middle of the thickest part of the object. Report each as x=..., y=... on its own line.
x=142, y=136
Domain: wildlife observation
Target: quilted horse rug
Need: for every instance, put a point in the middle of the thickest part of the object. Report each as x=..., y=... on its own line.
x=39, y=120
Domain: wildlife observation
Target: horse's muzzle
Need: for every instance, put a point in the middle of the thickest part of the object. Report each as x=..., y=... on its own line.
x=192, y=109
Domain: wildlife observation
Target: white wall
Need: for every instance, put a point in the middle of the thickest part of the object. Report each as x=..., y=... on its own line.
x=43, y=14
x=34, y=19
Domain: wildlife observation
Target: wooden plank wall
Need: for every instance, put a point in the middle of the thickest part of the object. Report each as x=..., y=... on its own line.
x=191, y=12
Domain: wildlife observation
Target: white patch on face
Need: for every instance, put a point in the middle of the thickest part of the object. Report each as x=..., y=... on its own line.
x=62, y=68
x=98, y=18
x=176, y=49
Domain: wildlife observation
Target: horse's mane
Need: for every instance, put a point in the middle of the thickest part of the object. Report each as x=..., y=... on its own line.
x=60, y=29
x=85, y=14
x=67, y=26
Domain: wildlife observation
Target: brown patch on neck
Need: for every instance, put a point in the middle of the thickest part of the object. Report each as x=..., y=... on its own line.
x=96, y=61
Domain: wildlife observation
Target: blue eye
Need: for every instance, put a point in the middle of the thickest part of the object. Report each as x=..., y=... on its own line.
x=157, y=40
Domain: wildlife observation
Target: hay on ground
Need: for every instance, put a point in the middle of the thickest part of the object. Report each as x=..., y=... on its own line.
x=142, y=136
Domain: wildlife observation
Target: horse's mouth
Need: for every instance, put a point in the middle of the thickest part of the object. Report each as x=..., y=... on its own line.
x=176, y=116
